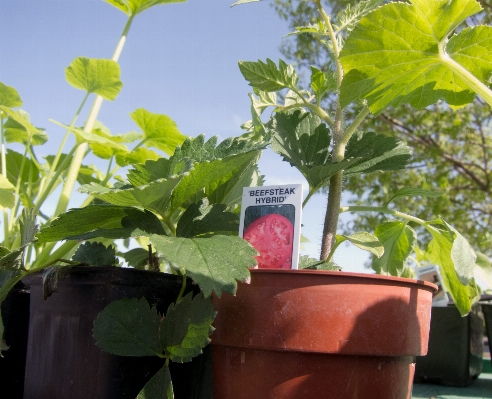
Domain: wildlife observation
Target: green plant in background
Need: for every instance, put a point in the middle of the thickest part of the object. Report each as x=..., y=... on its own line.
x=182, y=209
x=399, y=53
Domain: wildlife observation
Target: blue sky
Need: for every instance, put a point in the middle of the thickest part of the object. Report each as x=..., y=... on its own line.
x=179, y=60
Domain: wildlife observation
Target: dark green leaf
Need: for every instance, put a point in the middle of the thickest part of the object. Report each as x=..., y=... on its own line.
x=51, y=277
x=9, y=97
x=19, y=166
x=214, y=263
x=128, y=327
x=99, y=76
x=203, y=218
x=159, y=386
x=28, y=227
x=95, y=254
x=137, y=258
x=399, y=241
x=322, y=82
x=267, y=76
x=186, y=328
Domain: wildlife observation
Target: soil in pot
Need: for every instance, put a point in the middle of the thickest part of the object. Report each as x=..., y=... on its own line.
x=15, y=316
x=302, y=334
x=455, y=348
x=62, y=358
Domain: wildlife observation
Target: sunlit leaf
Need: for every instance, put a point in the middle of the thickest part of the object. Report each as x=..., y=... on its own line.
x=7, y=190
x=365, y=241
x=133, y=7
x=99, y=76
x=401, y=53
x=412, y=192
x=399, y=241
x=9, y=97
x=267, y=76
x=160, y=131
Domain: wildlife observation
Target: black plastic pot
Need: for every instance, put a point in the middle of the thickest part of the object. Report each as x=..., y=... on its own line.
x=62, y=358
x=15, y=316
x=487, y=314
x=455, y=348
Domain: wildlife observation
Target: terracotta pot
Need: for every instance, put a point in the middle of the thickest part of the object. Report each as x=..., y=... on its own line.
x=316, y=334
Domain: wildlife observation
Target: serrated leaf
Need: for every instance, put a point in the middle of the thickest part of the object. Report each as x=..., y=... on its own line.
x=159, y=386
x=399, y=241
x=98, y=221
x=12, y=261
x=186, y=328
x=28, y=227
x=322, y=82
x=95, y=254
x=267, y=76
x=138, y=156
x=263, y=100
x=412, y=192
x=441, y=251
x=363, y=240
x=133, y=7
x=400, y=54
x=159, y=130
x=7, y=190
x=128, y=327
x=350, y=16
x=214, y=263
x=99, y=76
x=202, y=218
x=305, y=262
x=9, y=97
x=376, y=152
x=105, y=151
x=137, y=258
x=52, y=275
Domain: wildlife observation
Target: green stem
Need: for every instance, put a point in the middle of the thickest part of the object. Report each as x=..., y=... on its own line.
x=6, y=231
x=89, y=125
x=183, y=288
x=471, y=80
x=354, y=125
x=387, y=211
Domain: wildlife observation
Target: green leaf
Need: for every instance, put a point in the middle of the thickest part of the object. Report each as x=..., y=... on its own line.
x=128, y=327
x=20, y=130
x=7, y=190
x=202, y=218
x=412, y=192
x=376, y=152
x=263, y=101
x=98, y=221
x=99, y=76
x=350, y=16
x=160, y=131
x=133, y=7
x=322, y=82
x=28, y=227
x=159, y=386
x=186, y=328
x=137, y=258
x=12, y=261
x=214, y=263
x=267, y=76
x=400, y=53
x=244, y=2
x=364, y=241
x=95, y=254
x=138, y=156
x=19, y=166
x=9, y=97
x=454, y=269
x=305, y=262
x=399, y=241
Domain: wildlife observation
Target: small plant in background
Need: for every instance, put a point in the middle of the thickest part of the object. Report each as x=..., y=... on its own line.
x=382, y=56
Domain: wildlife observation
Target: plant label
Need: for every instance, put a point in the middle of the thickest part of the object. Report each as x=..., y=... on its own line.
x=271, y=222
x=432, y=274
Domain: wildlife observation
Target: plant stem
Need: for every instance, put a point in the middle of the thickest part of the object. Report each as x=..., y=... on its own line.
x=89, y=125
x=4, y=174
x=183, y=288
x=382, y=209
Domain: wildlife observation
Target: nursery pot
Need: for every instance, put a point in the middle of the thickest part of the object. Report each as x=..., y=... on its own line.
x=455, y=348
x=487, y=314
x=15, y=316
x=62, y=358
x=317, y=334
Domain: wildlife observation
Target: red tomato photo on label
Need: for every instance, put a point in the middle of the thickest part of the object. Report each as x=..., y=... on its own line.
x=272, y=236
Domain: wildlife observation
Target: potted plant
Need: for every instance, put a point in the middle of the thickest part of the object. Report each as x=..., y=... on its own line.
x=189, y=199
x=305, y=333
